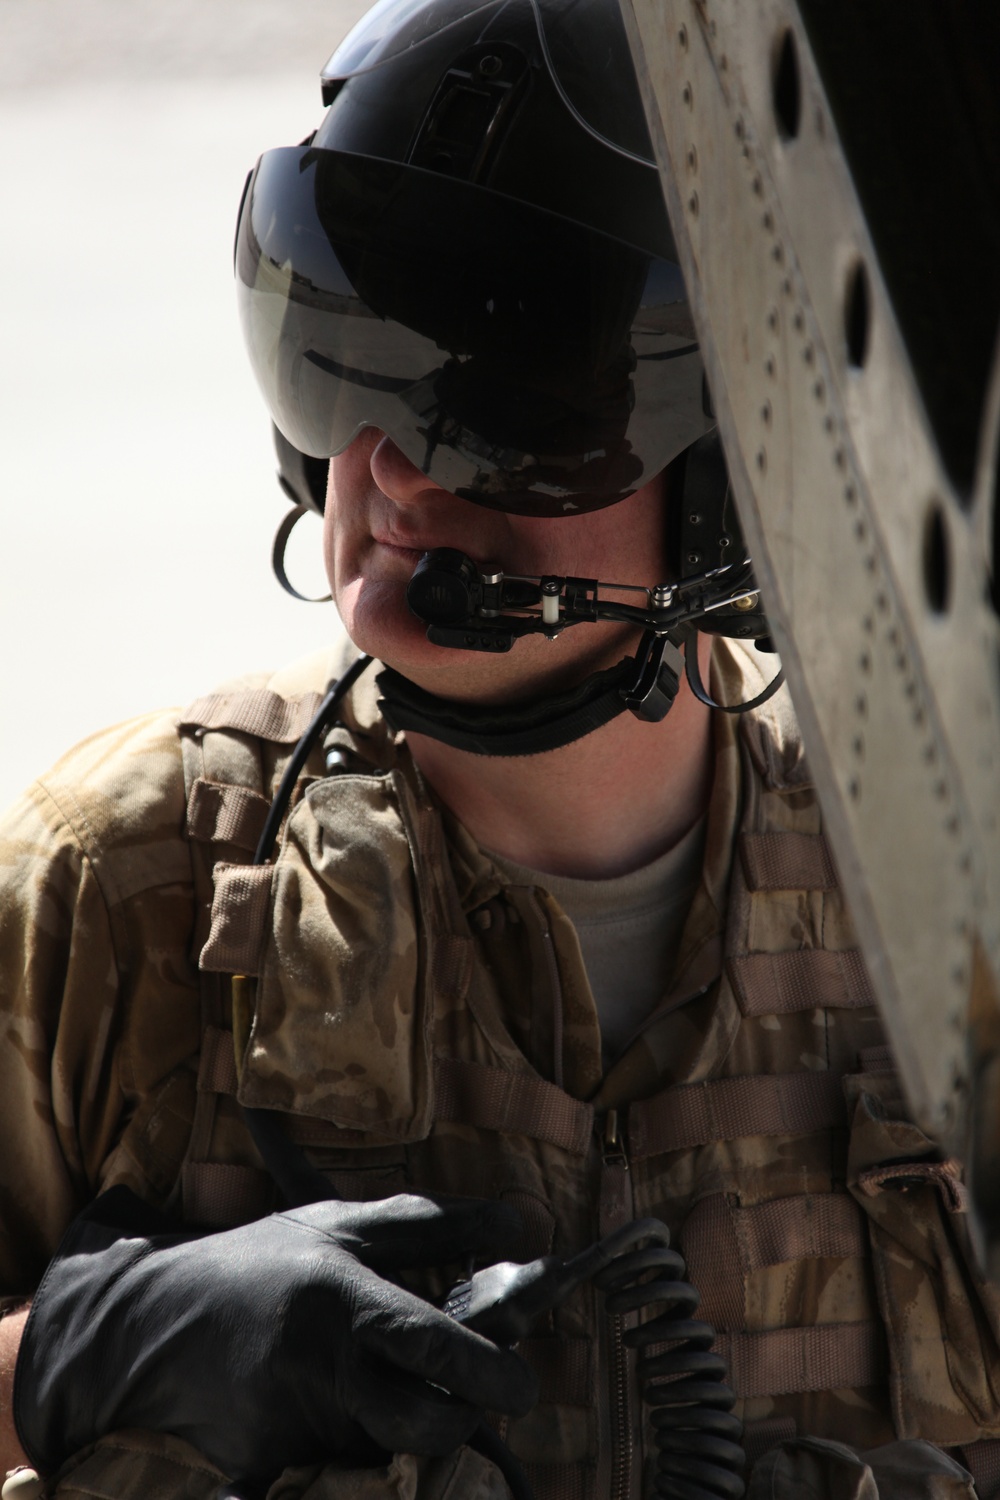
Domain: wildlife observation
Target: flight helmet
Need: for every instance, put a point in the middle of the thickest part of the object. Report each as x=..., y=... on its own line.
x=472, y=254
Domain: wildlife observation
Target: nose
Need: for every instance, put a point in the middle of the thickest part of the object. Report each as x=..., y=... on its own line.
x=397, y=477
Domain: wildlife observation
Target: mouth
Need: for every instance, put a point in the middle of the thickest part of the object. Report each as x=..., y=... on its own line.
x=412, y=551
x=410, y=555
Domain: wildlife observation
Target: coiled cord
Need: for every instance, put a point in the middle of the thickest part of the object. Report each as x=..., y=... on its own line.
x=700, y=1456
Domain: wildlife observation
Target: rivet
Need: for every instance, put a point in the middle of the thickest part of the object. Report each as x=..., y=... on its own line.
x=778, y=254
x=687, y=95
x=772, y=320
x=765, y=413
x=682, y=37
x=762, y=460
x=808, y=354
x=769, y=365
x=693, y=205
x=692, y=159
x=757, y=186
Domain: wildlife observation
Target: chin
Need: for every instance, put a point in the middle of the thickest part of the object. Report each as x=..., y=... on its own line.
x=379, y=622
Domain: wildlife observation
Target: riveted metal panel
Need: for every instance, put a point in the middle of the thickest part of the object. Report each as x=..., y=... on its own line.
x=874, y=565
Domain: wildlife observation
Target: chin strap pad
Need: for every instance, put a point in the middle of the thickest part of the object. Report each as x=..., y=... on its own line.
x=507, y=729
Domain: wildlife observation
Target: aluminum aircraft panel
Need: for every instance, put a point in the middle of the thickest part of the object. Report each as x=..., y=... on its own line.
x=834, y=187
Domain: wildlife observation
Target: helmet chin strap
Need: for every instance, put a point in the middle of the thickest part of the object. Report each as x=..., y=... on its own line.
x=643, y=684
x=646, y=683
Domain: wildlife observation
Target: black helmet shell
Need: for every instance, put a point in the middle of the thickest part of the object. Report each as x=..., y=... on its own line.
x=472, y=254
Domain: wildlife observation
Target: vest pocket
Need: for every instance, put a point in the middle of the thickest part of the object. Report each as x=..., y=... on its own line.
x=941, y=1318
x=344, y=1015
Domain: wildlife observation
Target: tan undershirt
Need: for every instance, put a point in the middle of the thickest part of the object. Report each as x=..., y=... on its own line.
x=629, y=930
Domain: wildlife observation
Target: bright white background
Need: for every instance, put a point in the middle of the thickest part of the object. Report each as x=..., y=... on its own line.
x=137, y=490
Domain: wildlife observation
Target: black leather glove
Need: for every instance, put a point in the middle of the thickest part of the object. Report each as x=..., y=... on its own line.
x=278, y=1343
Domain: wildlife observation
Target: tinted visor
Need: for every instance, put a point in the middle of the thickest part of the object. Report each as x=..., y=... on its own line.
x=517, y=359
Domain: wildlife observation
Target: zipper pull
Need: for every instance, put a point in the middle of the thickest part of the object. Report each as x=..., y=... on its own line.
x=614, y=1151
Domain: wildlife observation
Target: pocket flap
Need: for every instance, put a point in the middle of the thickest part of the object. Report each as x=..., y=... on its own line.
x=342, y=1027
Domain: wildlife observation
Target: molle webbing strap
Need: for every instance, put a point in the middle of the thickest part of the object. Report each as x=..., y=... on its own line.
x=239, y=919
x=788, y=1361
x=982, y=1460
x=495, y=1099
x=723, y=1244
x=876, y=1060
x=563, y=1367
x=218, y=813
x=789, y=861
x=223, y=1194
x=560, y=1481
x=259, y=712
x=726, y=1109
x=217, y=1065
x=808, y=1228
x=777, y=984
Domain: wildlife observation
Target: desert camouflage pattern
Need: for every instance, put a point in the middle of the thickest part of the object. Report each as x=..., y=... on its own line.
x=394, y=971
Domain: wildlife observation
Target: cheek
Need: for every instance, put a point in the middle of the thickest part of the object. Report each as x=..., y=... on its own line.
x=344, y=514
x=625, y=543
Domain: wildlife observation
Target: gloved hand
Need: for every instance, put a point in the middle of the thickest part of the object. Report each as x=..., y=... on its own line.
x=278, y=1343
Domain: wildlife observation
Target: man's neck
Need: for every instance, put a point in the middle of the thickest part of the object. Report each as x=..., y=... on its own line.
x=605, y=805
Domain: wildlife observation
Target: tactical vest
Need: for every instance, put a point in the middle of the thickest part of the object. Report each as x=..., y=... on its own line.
x=758, y=1114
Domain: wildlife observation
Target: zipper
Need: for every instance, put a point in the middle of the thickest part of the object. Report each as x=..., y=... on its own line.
x=616, y=1208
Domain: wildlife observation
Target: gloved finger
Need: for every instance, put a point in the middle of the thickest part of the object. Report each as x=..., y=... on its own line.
x=410, y=1334
x=412, y=1230
x=406, y=1415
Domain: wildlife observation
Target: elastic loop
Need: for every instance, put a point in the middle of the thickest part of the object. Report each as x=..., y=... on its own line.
x=697, y=687
x=281, y=536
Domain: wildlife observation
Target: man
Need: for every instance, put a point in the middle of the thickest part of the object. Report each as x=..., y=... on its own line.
x=548, y=945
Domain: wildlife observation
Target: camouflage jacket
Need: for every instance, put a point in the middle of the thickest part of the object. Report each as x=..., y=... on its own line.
x=421, y=1022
